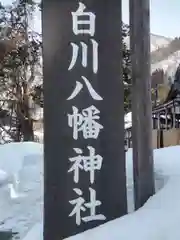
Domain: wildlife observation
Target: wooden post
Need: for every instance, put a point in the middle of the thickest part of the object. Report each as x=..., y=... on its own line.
x=84, y=163
x=141, y=104
x=166, y=118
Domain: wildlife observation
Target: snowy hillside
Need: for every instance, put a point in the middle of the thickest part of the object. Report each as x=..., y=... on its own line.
x=170, y=62
x=156, y=41
x=165, y=55
x=159, y=41
x=169, y=65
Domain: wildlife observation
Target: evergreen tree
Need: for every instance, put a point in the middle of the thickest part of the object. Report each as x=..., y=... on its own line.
x=126, y=69
x=18, y=70
x=19, y=87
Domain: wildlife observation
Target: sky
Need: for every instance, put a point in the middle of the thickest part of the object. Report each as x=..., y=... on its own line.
x=165, y=17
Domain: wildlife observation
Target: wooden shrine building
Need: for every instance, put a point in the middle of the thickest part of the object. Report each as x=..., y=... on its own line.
x=165, y=119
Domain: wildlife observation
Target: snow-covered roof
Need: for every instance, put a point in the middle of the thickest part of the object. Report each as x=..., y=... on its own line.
x=128, y=120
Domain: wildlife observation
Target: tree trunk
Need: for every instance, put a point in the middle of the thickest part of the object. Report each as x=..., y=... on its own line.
x=28, y=130
x=26, y=122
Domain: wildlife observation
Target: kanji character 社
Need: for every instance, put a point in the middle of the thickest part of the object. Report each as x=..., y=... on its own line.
x=81, y=206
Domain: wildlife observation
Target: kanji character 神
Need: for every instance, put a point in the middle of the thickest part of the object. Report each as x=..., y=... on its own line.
x=87, y=163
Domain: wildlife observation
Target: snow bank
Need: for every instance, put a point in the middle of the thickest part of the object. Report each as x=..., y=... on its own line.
x=13, y=156
x=26, y=160
x=35, y=233
x=3, y=177
x=157, y=219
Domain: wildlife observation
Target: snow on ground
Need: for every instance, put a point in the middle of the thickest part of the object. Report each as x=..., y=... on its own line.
x=157, y=220
x=26, y=159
